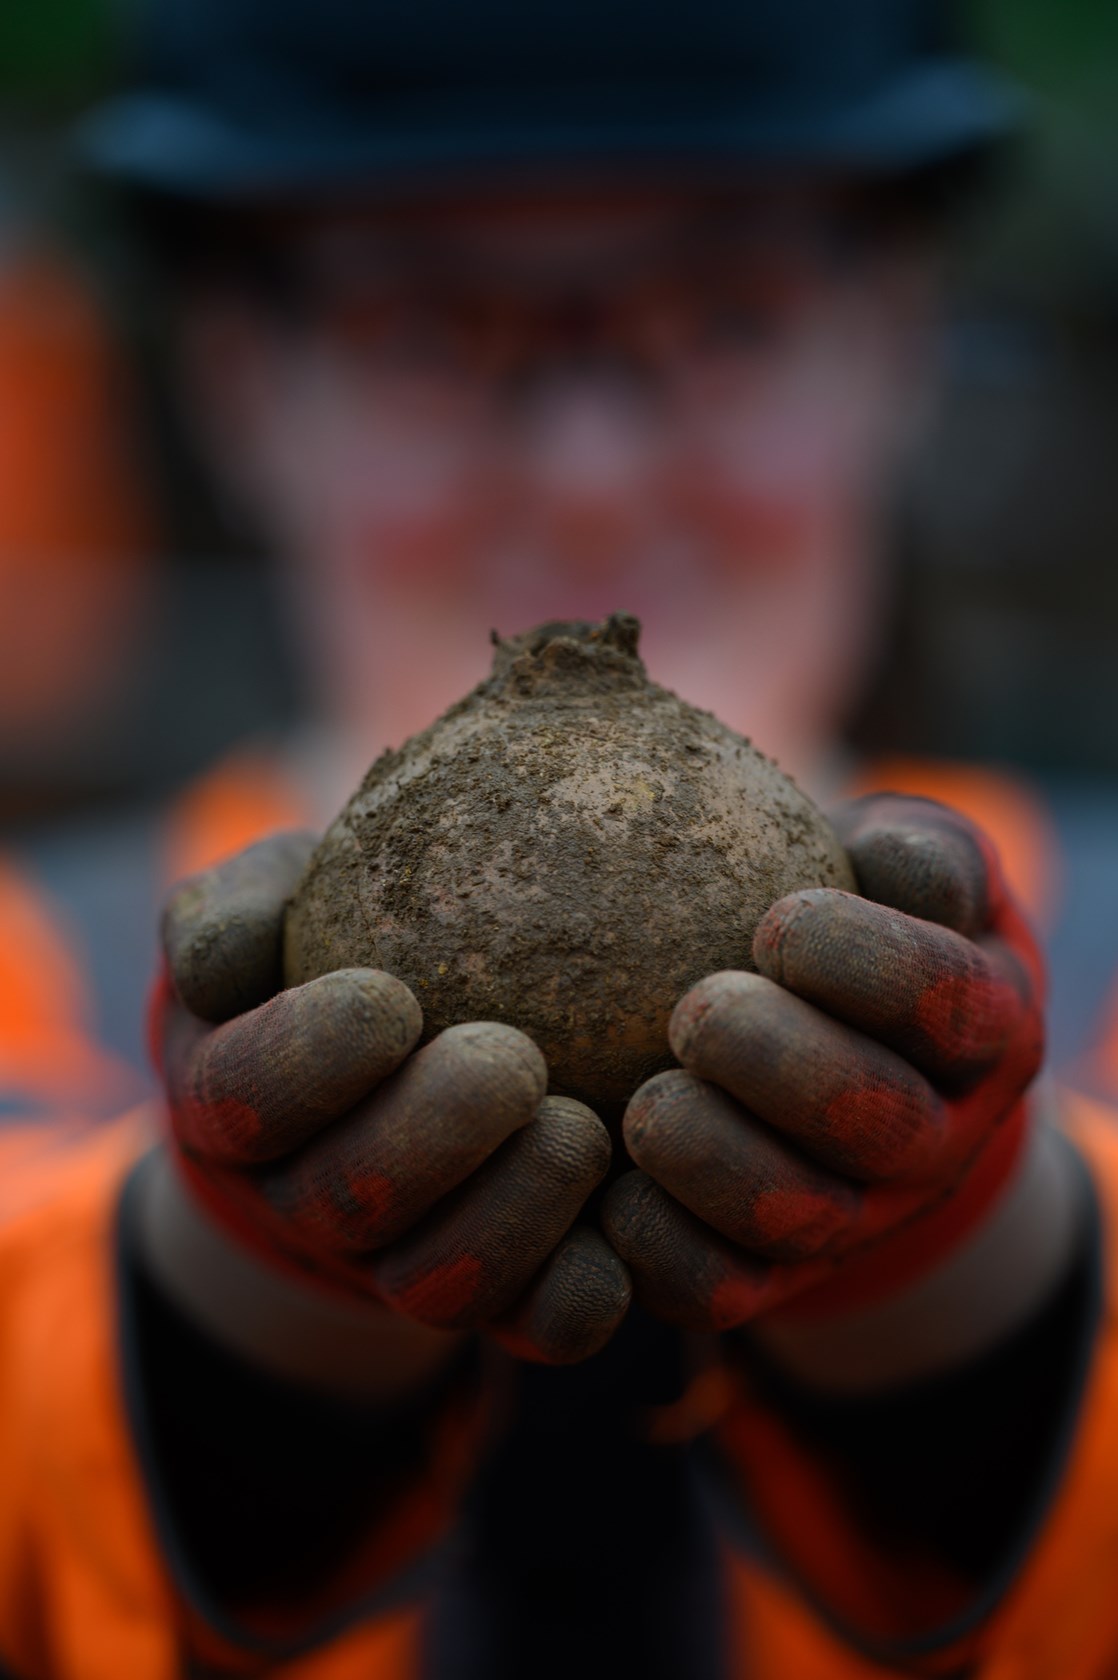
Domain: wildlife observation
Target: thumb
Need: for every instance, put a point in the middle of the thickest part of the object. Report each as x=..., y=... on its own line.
x=223, y=929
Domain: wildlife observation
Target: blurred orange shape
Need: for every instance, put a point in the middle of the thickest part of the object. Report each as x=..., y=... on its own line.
x=74, y=535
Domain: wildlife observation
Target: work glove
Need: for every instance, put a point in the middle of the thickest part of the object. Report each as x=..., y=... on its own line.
x=441, y=1182
x=844, y=1117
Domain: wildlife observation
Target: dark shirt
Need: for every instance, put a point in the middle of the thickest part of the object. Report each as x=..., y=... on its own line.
x=585, y=1550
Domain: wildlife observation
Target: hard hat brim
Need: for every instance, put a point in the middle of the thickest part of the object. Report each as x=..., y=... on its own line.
x=934, y=112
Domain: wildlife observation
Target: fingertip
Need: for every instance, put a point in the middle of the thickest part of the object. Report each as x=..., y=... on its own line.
x=781, y=923
x=574, y=1306
x=888, y=809
x=628, y=1203
x=923, y=857
x=583, y=1137
x=939, y=876
x=380, y=1004
x=689, y=1014
x=222, y=929
x=510, y=1056
x=706, y=1003
x=362, y=1018
x=658, y=1097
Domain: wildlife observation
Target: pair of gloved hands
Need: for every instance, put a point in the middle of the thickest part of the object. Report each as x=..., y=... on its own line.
x=838, y=1122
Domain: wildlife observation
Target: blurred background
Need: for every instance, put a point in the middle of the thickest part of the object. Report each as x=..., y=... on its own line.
x=141, y=638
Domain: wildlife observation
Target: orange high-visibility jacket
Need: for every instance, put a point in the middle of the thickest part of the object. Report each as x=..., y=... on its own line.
x=90, y=1588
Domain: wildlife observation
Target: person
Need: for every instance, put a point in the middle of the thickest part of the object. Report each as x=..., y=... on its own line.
x=380, y=1359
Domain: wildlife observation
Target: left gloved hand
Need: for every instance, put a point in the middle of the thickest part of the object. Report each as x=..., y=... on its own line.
x=843, y=1118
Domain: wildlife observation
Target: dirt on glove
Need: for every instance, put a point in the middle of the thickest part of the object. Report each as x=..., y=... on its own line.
x=568, y=849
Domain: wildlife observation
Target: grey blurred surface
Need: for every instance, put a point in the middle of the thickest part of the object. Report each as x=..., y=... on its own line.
x=211, y=669
x=1083, y=945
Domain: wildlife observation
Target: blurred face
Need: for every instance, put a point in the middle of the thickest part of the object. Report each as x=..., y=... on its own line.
x=484, y=416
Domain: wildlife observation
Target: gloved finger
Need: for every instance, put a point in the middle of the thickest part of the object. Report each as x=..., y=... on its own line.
x=850, y=1103
x=846, y=1101
x=932, y=862
x=690, y=1274
x=947, y=1004
x=686, y=1274
x=255, y=1088
x=683, y=1272
x=920, y=857
x=732, y=1172
x=475, y=1253
x=223, y=929
x=372, y=1175
x=745, y=1183
x=572, y=1308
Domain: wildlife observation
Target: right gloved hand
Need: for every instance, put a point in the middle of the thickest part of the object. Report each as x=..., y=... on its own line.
x=442, y=1182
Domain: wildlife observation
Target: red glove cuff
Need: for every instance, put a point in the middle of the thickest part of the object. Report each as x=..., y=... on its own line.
x=234, y=1204
x=918, y=1248
x=243, y=1215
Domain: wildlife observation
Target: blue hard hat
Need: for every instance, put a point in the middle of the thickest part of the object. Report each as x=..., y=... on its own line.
x=258, y=98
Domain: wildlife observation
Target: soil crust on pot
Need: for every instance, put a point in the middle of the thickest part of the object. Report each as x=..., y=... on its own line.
x=568, y=849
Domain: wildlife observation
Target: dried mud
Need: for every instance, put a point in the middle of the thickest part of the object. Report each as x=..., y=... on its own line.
x=568, y=849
